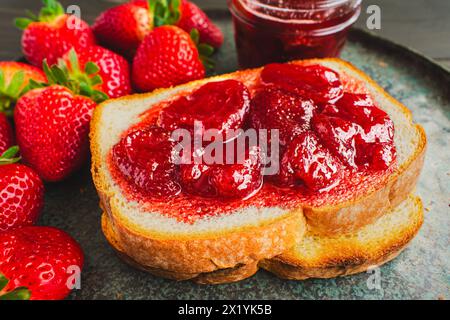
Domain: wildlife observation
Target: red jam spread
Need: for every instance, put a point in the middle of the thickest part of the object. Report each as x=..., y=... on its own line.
x=218, y=105
x=281, y=30
x=330, y=141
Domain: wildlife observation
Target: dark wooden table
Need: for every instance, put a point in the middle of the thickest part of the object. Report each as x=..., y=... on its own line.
x=423, y=25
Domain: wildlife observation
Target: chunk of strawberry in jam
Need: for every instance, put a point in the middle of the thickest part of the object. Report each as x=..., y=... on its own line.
x=340, y=136
x=361, y=134
x=276, y=108
x=237, y=180
x=219, y=105
x=314, y=81
x=144, y=157
x=307, y=162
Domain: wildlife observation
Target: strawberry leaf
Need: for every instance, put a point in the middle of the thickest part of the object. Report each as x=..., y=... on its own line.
x=9, y=156
x=15, y=84
x=22, y=23
x=20, y=293
x=164, y=12
x=195, y=36
x=48, y=72
x=204, y=50
x=99, y=96
x=3, y=282
x=2, y=80
x=79, y=81
x=10, y=92
x=91, y=68
x=96, y=80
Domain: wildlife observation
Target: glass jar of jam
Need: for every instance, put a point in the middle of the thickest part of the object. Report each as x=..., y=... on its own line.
x=280, y=30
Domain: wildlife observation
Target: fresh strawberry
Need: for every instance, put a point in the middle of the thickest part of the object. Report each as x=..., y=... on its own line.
x=112, y=68
x=52, y=122
x=52, y=33
x=14, y=78
x=192, y=17
x=6, y=134
x=41, y=263
x=167, y=57
x=185, y=15
x=122, y=28
x=52, y=126
x=21, y=192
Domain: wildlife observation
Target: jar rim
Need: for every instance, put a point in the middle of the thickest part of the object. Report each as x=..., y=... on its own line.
x=316, y=32
x=318, y=5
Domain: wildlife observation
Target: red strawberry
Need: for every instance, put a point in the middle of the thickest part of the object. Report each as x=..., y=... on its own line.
x=112, y=68
x=21, y=193
x=14, y=77
x=6, y=134
x=122, y=28
x=192, y=17
x=166, y=57
x=52, y=127
x=52, y=33
x=44, y=260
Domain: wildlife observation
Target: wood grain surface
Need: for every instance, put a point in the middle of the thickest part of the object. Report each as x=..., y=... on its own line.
x=423, y=25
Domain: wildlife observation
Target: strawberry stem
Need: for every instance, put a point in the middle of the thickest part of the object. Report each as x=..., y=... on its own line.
x=51, y=10
x=20, y=293
x=9, y=157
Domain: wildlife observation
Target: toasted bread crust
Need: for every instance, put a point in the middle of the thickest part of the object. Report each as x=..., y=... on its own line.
x=345, y=258
x=202, y=254
x=221, y=276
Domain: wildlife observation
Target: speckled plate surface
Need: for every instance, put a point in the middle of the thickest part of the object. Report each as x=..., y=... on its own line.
x=420, y=272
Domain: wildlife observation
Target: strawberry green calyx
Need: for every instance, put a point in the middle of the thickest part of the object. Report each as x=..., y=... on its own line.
x=49, y=12
x=82, y=82
x=164, y=12
x=9, y=157
x=20, y=293
x=10, y=92
x=205, y=51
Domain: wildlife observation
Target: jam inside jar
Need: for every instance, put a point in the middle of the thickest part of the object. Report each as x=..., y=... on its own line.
x=281, y=30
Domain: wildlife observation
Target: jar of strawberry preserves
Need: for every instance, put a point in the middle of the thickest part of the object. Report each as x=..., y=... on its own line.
x=280, y=30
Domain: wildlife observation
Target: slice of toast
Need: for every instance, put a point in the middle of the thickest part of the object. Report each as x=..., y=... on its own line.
x=229, y=244
x=318, y=256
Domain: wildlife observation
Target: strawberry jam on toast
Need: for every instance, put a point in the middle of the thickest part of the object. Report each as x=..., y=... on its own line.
x=335, y=144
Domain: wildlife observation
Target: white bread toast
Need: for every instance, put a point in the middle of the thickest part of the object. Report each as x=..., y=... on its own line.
x=317, y=256
x=228, y=247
